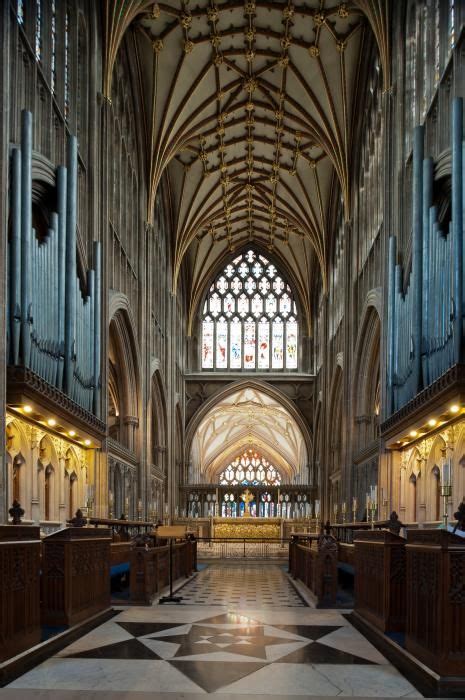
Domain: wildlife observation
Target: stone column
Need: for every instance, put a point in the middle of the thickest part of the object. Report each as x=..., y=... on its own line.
x=5, y=95
x=35, y=500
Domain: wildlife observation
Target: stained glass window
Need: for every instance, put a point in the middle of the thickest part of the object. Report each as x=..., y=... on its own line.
x=53, y=56
x=250, y=318
x=67, y=69
x=20, y=11
x=38, y=31
x=250, y=469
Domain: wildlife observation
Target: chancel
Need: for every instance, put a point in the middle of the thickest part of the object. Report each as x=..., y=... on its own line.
x=233, y=357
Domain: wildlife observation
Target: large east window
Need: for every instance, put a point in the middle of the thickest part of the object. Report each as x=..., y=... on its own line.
x=250, y=469
x=250, y=318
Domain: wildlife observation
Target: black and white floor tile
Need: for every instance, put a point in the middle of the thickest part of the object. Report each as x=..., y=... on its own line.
x=223, y=650
x=213, y=586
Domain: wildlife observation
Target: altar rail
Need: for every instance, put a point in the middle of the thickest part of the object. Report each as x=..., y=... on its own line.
x=241, y=548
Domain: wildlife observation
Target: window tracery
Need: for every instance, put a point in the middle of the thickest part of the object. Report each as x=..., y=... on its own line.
x=250, y=469
x=250, y=318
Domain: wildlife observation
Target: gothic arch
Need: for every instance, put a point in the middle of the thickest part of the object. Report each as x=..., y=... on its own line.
x=158, y=416
x=49, y=479
x=366, y=377
x=432, y=479
x=201, y=290
x=19, y=476
x=124, y=374
x=240, y=385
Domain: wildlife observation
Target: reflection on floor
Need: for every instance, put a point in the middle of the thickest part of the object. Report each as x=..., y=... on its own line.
x=228, y=650
x=214, y=586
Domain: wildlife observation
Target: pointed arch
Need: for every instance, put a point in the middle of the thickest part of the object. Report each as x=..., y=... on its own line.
x=49, y=479
x=158, y=417
x=250, y=317
x=124, y=374
x=366, y=381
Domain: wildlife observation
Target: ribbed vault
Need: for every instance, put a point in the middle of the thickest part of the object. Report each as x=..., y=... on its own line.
x=250, y=109
x=247, y=419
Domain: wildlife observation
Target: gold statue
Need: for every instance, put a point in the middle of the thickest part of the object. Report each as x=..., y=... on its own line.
x=247, y=497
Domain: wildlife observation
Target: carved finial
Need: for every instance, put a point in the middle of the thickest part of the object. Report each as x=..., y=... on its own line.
x=78, y=520
x=16, y=513
x=459, y=515
x=394, y=524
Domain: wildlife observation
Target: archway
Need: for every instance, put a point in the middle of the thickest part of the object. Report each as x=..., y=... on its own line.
x=240, y=438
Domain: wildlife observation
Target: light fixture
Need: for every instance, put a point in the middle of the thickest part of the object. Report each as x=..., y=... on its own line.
x=87, y=442
x=413, y=433
x=51, y=422
x=454, y=408
x=72, y=433
x=432, y=422
x=27, y=408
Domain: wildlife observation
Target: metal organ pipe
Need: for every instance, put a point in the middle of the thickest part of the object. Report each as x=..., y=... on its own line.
x=26, y=231
x=417, y=252
x=425, y=326
x=97, y=326
x=457, y=221
x=70, y=279
x=391, y=319
x=62, y=177
x=15, y=259
x=54, y=328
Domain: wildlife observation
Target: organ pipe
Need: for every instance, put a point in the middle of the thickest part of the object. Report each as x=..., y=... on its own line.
x=26, y=230
x=425, y=321
x=54, y=327
x=15, y=259
x=457, y=223
x=417, y=222
x=70, y=278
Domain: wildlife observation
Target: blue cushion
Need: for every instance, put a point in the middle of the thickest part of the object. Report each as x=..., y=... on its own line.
x=119, y=569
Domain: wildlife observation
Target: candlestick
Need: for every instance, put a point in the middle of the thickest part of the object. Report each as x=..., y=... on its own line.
x=354, y=509
x=446, y=488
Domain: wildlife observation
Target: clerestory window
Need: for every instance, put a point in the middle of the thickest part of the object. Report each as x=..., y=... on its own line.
x=250, y=318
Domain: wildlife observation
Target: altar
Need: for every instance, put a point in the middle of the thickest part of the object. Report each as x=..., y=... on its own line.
x=249, y=528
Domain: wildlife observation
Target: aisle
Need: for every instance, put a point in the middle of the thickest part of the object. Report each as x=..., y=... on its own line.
x=280, y=648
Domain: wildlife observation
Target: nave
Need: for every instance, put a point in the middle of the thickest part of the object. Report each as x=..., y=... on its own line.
x=242, y=630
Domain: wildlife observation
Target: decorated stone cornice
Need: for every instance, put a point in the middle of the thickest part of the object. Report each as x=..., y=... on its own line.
x=23, y=383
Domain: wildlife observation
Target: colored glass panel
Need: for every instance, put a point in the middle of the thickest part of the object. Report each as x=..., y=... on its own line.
x=207, y=344
x=221, y=344
x=278, y=344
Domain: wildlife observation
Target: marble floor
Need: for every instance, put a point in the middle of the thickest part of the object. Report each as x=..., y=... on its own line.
x=215, y=586
x=234, y=649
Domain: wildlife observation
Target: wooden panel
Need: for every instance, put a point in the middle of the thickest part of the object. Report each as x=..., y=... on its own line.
x=435, y=631
x=75, y=575
x=380, y=579
x=150, y=568
x=19, y=589
x=315, y=564
x=120, y=553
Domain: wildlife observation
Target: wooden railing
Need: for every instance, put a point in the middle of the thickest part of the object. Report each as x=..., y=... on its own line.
x=123, y=530
x=150, y=568
x=313, y=560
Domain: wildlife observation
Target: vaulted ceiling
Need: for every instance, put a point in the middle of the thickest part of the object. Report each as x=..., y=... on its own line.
x=244, y=419
x=251, y=109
